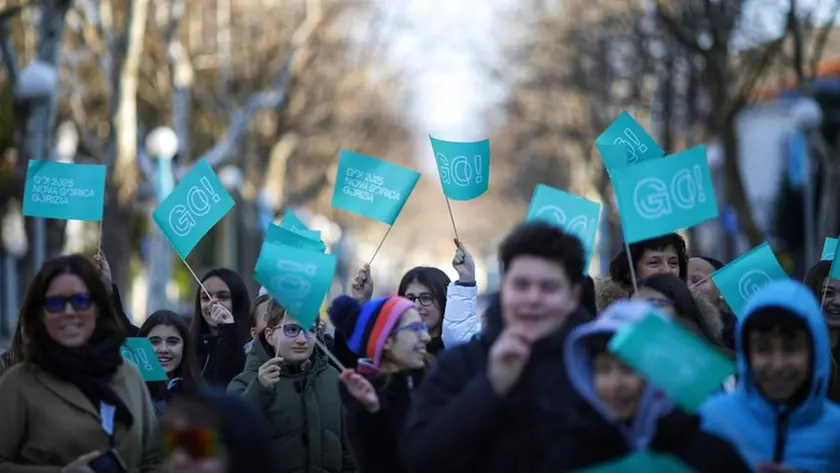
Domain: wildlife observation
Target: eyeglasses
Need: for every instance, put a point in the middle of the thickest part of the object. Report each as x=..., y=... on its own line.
x=293, y=330
x=417, y=327
x=662, y=302
x=426, y=298
x=198, y=443
x=79, y=301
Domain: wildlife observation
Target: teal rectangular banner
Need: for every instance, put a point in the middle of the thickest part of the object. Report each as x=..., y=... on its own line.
x=464, y=167
x=742, y=278
x=664, y=195
x=282, y=236
x=626, y=143
x=64, y=191
x=196, y=204
x=140, y=352
x=371, y=187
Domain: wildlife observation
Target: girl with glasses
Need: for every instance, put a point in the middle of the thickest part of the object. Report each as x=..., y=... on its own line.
x=391, y=338
x=296, y=390
x=71, y=398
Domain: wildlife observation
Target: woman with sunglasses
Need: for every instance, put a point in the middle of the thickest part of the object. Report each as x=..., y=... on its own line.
x=391, y=337
x=169, y=336
x=296, y=389
x=71, y=400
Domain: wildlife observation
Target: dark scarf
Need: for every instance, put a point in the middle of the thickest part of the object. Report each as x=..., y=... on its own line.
x=90, y=368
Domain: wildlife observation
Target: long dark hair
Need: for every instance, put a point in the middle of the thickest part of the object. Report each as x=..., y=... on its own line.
x=433, y=278
x=676, y=290
x=815, y=278
x=240, y=305
x=32, y=332
x=188, y=369
x=620, y=267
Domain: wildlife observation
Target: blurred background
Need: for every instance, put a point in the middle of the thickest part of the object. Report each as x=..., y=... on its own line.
x=269, y=91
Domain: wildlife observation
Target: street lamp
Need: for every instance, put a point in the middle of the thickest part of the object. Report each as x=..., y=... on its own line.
x=807, y=116
x=162, y=145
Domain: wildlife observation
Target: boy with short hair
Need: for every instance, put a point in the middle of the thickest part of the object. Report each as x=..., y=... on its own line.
x=779, y=417
x=621, y=414
x=488, y=404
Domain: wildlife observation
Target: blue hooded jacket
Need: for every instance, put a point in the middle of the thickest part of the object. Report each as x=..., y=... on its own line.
x=654, y=404
x=805, y=438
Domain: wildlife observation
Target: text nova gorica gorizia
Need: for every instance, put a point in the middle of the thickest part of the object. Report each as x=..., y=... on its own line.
x=655, y=198
x=199, y=202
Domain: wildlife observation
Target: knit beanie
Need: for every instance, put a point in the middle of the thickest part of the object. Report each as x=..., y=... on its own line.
x=367, y=326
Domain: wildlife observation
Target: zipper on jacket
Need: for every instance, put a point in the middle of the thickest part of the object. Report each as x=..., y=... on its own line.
x=781, y=436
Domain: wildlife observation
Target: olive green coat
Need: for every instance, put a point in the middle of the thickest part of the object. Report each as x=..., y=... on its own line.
x=304, y=412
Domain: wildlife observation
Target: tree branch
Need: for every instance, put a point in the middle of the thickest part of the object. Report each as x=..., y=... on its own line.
x=821, y=40
x=7, y=47
x=673, y=27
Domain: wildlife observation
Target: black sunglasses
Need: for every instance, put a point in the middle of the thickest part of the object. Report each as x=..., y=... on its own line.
x=56, y=304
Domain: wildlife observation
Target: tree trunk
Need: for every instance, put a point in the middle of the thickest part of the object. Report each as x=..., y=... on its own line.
x=735, y=193
x=117, y=231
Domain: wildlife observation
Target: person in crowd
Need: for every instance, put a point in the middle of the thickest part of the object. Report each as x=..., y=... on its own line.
x=169, y=336
x=256, y=319
x=12, y=355
x=827, y=290
x=670, y=295
x=296, y=390
x=621, y=414
x=71, y=399
x=665, y=254
x=219, y=327
x=391, y=337
x=700, y=269
x=487, y=404
x=448, y=308
x=215, y=432
x=779, y=416
x=104, y=270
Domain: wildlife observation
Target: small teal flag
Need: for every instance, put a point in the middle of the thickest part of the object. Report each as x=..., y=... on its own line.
x=64, y=191
x=464, y=168
x=196, y=204
x=834, y=272
x=829, y=249
x=740, y=279
x=282, y=236
x=665, y=195
x=371, y=187
x=297, y=278
x=139, y=350
x=626, y=143
x=574, y=214
x=292, y=222
x=672, y=358
x=644, y=461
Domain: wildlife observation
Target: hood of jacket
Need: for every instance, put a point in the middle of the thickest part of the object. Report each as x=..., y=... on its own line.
x=608, y=291
x=654, y=404
x=798, y=300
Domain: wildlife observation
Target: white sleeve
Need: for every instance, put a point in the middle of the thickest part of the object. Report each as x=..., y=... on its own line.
x=460, y=320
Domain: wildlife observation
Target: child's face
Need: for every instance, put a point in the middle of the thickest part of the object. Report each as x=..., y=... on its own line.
x=779, y=362
x=618, y=387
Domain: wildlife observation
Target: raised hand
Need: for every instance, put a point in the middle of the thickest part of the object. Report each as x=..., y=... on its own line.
x=508, y=357
x=361, y=389
x=220, y=314
x=103, y=268
x=269, y=373
x=362, y=287
x=463, y=263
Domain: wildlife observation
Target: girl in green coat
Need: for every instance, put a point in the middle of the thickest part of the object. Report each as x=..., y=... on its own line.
x=297, y=390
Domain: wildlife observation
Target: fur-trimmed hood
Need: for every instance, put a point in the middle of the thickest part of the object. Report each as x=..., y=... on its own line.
x=608, y=291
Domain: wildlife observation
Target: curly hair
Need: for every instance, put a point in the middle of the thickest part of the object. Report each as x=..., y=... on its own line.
x=546, y=241
x=620, y=266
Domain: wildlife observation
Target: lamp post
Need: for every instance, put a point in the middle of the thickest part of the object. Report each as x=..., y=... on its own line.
x=15, y=247
x=231, y=178
x=808, y=116
x=36, y=86
x=162, y=145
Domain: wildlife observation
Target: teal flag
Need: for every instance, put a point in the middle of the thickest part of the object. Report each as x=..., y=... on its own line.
x=371, y=187
x=644, y=461
x=665, y=195
x=292, y=222
x=464, y=168
x=672, y=358
x=740, y=279
x=626, y=143
x=196, y=204
x=64, y=191
x=282, y=236
x=574, y=214
x=297, y=278
x=829, y=249
x=834, y=272
x=139, y=350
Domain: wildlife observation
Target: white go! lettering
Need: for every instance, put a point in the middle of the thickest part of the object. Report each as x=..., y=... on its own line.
x=579, y=225
x=654, y=198
x=751, y=282
x=199, y=202
x=460, y=170
x=635, y=147
x=294, y=283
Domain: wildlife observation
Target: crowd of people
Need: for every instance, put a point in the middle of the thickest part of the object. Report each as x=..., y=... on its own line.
x=420, y=382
